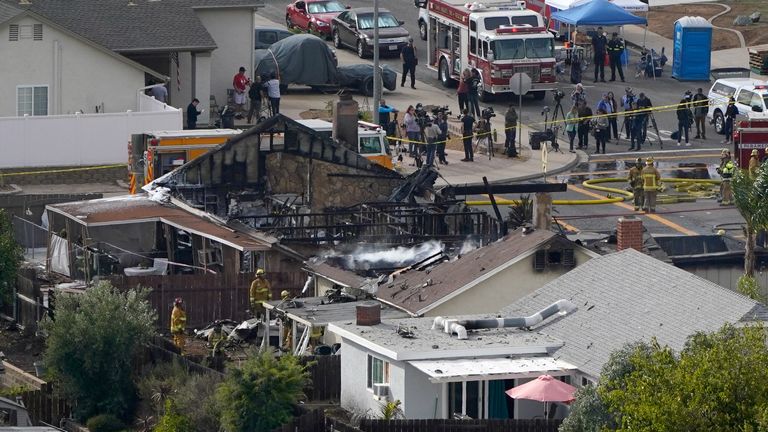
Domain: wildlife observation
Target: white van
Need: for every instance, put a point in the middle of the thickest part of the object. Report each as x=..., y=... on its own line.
x=371, y=139
x=751, y=99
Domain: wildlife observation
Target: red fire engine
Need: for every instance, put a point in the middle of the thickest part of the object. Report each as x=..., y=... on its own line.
x=750, y=135
x=497, y=37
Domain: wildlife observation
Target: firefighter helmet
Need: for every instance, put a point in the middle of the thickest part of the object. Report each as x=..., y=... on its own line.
x=259, y=272
x=755, y=152
x=649, y=161
x=724, y=151
x=178, y=301
x=284, y=294
x=639, y=160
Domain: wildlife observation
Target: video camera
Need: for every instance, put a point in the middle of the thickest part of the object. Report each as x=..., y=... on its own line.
x=487, y=113
x=422, y=118
x=558, y=94
x=441, y=109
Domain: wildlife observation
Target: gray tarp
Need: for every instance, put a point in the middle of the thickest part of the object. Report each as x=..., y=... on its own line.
x=302, y=59
x=354, y=75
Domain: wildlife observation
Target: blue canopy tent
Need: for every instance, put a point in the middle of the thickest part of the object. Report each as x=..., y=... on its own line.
x=598, y=13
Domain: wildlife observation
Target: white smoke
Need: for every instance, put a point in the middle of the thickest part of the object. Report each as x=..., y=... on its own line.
x=310, y=278
x=364, y=257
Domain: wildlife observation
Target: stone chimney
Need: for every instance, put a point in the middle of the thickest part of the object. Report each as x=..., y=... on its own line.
x=369, y=313
x=629, y=233
x=345, y=121
x=542, y=211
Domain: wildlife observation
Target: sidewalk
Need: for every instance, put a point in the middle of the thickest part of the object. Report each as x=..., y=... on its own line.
x=499, y=169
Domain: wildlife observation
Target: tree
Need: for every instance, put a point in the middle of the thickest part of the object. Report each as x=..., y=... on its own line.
x=260, y=395
x=719, y=381
x=91, y=343
x=749, y=195
x=10, y=256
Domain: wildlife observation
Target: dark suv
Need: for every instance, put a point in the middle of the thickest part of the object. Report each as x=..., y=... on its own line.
x=354, y=28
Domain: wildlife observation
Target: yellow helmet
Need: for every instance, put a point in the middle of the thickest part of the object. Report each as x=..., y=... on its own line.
x=259, y=272
x=724, y=151
x=766, y=150
x=284, y=294
x=755, y=152
x=649, y=161
x=721, y=232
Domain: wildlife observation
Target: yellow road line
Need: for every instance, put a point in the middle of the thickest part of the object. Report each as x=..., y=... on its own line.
x=651, y=216
x=717, y=155
x=566, y=225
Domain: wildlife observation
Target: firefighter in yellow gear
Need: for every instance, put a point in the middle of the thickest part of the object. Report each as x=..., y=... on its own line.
x=754, y=164
x=287, y=331
x=260, y=292
x=725, y=156
x=726, y=173
x=178, y=324
x=635, y=180
x=651, y=185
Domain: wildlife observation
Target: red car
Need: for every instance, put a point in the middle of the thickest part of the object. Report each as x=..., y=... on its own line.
x=313, y=16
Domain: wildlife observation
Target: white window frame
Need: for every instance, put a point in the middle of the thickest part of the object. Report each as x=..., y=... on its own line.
x=385, y=371
x=33, y=87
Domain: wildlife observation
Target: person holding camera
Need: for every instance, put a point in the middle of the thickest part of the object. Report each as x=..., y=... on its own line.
x=412, y=130
x=585, y=115
x=431, y=134
x=442, y=123
x=483, y=132
x=571, y=125
x=467, y=123
x=578, y=95
x=700, y=110
x=510, y=130
x=600, y=129
x=628, y=104
x=684, y=118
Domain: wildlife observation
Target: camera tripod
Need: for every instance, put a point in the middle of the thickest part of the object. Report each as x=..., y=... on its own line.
x=644, y=130
x=484, y=136
x=558, y=110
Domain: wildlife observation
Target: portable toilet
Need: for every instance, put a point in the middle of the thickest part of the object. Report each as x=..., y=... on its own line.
x=692, y=49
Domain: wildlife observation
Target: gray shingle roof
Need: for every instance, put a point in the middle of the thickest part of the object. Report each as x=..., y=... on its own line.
x=7, y=12
x=629, y=296
x=164, y=25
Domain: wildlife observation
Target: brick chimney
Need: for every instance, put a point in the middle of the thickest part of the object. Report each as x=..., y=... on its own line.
x=629, y=233
x=345, y=121
x=369, y=313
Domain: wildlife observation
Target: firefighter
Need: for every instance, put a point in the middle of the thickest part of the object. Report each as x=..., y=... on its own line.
x=285, y=297
x=178, y=324
x=727, y=174
x=635, y=180
x=260, y=292
x=754, y=164
x=651, y=185
x=725, y=156
x=765, y=156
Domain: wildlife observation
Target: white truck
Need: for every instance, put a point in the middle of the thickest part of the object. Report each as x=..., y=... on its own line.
x=499, y=38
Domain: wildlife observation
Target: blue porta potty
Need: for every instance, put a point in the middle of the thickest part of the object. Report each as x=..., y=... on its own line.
x=692, y=49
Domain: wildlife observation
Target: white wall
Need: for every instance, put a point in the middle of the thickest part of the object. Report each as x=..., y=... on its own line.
x=79, y=139
x=232, y=29
x=80, y=76
x=420, y=395
x=504, y=288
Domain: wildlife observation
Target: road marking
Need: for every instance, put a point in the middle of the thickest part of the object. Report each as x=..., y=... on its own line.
x=566, y=225
x=651, y=216
x=677, y=150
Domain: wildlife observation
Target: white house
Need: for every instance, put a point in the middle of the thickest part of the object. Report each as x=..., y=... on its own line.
x=606, y=302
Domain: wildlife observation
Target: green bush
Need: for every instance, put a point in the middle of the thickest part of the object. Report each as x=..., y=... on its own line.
x=172, y=420
x=91, y=344
x=10, y=257
x=748, y=286
x=105, y=423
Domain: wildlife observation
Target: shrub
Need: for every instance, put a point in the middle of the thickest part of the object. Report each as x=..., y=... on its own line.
x=10, y=256
x=172, y=420
x=91, y=344
x=748, y=286
x=105, y=423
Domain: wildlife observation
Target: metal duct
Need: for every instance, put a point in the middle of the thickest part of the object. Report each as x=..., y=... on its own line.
x=460, y=327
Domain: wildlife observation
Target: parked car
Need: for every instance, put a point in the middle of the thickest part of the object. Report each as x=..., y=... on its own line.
x=313, y=16
x=266, y=36
x=751, y=99
x=354, y=29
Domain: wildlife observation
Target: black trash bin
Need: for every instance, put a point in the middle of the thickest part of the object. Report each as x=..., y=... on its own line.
x=227, y=118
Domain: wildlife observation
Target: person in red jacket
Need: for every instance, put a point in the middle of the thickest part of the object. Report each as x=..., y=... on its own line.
x=240, y=82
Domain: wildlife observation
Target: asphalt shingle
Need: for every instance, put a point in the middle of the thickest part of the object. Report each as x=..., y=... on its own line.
x=628, y=296
x=8, y=11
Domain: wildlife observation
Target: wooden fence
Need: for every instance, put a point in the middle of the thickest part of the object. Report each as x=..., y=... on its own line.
x=325, y=378
x=207, y=297
x=44, y=406
x=436, y=425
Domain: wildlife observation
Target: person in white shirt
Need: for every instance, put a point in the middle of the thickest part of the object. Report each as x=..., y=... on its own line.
x=273, y=92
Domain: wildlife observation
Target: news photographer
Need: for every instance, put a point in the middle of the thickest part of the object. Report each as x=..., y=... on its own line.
x=483, y=130
x=467, y=125
x=510, y=130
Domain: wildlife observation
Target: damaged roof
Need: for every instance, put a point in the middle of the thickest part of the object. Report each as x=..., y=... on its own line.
x=419, y=291
x=128, y=209
x=317, y=312
x=336, y=275
x=135, y=26
x=628, y=296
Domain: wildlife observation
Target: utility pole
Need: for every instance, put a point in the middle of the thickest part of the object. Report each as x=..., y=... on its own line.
x=376, y=70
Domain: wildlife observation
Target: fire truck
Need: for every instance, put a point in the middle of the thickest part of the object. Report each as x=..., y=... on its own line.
x=750, y=135
x=499, y=38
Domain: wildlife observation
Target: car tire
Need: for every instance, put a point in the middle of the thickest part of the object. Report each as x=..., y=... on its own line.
x=719, y=121
x=360, y=48
x=423, y=30
x=288, y=23
x=444, y=74
x=336, y=39
x=366, y=87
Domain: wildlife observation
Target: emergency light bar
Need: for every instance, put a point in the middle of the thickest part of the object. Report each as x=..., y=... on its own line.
x=519, y=29
x=371, y=126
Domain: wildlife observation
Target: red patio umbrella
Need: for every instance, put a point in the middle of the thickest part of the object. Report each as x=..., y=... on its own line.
x=545, y=389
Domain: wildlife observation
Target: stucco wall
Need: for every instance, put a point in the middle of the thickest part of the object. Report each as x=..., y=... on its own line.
x=423, y=399
x=89, y=77
x=232, y=29
x=355, y=397
x=327, y=190
x=504, y=288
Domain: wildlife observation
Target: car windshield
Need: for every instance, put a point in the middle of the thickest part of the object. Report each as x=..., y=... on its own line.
x=370, y=145
x=365, y=22
x=324, y=7
x=539, y=48
x=508, y=49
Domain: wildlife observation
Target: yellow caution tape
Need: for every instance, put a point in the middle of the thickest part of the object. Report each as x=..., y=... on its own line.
x=98, y=167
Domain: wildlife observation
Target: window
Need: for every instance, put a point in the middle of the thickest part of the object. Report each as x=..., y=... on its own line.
x=508, y=49
x=472, y=25
x=492, y=23
x=473, y=45
x=325, y=7
x=723, y=89
x=745, y=97
x=370, y=145
x=539, y=48
x=485, y=49
x=17, y=32
x=32, y=100
x=531, y=20
x=465, y=399
x=378, y=371
x=365, y=21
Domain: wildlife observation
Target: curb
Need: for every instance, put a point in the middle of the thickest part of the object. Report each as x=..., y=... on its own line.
x=15, y=189
x=566, y=167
